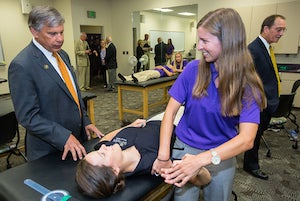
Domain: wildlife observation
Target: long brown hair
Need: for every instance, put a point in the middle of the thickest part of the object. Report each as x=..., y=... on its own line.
x=98, y=181
x=181, y=61
x=235, y=65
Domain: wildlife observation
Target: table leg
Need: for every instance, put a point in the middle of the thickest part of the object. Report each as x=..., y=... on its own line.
x=120, y=104
x=90, y=110
x=145, y=104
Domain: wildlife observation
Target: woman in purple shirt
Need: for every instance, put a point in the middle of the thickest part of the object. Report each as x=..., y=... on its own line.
x=223, y=97
x=170, y=51
x=158, y=71
x=179, y=63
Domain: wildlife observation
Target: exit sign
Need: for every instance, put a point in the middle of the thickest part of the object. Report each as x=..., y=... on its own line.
x=91, y=14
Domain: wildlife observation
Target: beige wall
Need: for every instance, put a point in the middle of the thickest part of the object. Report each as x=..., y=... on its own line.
x=121, y=19
x=114, y=15
x=15, y=34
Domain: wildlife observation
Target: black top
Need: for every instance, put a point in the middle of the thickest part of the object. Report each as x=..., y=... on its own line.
x=146, y=141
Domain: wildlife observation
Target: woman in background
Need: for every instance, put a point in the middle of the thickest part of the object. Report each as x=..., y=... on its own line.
x=102, y=61
x=102, y=70
x=179, y=63
x=139, y=54
x=170, y=51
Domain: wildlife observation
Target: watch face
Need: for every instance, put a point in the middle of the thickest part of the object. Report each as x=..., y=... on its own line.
x=216, y=160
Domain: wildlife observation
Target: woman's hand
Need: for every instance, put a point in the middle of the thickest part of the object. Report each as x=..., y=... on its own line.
x=181, y=171
x=159, y=67
x=138, y=123
x=158, y=165
x=90, y=129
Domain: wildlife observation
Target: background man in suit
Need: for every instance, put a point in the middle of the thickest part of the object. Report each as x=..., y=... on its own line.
x=45, y=95
x=160, y=51
x=272, y=28
x=111, y=64
x=82, y=51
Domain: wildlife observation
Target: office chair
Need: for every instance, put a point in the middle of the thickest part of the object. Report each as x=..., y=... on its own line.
x=9, y=129
x=283, y=114
x=292, y=116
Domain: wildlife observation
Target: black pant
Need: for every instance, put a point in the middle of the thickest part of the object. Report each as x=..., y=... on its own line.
x=251, y=156
x=103, y=72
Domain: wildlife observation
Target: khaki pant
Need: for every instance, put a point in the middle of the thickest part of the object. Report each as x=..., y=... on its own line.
x=83, y=73
x=144, y=75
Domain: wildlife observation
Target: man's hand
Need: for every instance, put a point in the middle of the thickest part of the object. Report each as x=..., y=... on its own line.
x=73, y=145
x=91, y=128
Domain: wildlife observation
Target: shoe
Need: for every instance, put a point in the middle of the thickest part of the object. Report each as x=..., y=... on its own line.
x=202, y=178
x=83, y=89
x=134, y=79
x=258, y=173
x=105, y=86
x=121, y=77
x=109, y=89
x=88, y=88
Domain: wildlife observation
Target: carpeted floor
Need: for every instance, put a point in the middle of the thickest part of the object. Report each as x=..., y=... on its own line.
x=283, y=167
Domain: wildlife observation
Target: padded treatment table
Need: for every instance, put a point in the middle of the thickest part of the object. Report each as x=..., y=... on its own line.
x=53, y=173
x=144, y=87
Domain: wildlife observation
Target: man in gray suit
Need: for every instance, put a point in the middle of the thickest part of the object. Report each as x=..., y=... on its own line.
x=42, y=101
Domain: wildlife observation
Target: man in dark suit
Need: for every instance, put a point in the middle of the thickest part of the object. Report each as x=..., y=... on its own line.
x=273, y=27
x=160, y=51
x=47, y=103
x=111, y=64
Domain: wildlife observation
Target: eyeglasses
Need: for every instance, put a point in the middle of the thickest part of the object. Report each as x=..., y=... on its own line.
x=281, y=29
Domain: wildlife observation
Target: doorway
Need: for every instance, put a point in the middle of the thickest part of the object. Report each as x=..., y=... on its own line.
x=94, y=35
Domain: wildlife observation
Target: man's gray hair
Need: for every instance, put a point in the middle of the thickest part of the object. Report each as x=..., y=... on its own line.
x=41, y=16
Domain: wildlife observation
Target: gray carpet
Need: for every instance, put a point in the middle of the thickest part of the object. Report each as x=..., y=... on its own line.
x=283, y=167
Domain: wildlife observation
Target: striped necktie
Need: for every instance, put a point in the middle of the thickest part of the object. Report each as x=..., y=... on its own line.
x=272, y=55
x=66, y=77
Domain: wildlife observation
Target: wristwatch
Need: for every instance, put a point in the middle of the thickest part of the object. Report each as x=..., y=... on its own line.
x=215, y=159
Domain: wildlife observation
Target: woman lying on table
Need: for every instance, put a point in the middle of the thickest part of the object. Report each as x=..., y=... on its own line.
x=176, y=66
x=130, y=150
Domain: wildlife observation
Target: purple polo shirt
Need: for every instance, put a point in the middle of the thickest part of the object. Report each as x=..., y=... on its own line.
x=202, y=126
x=184, y=63
x=162, y=72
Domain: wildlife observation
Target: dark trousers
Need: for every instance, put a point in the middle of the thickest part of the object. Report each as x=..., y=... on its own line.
x=103, y=72
x=251, y=156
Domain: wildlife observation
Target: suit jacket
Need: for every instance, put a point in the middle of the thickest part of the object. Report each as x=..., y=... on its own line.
x=43, y=103
x=82, y=59
x=160, y=51
x=111, y=57
x=264, y=67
